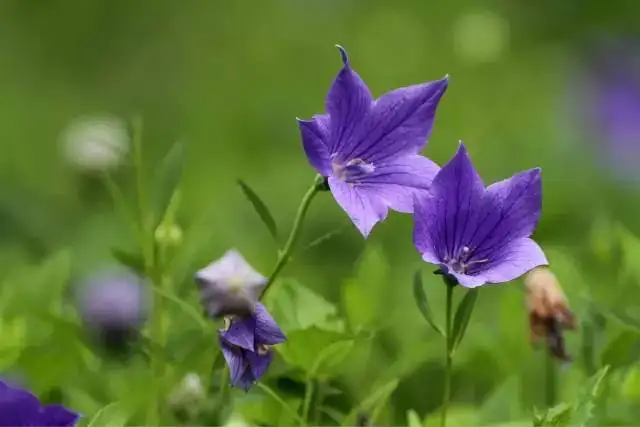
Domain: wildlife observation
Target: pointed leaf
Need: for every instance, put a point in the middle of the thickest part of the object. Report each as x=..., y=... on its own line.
x=463, y=316
x=112, y=415
x=326, y=236
x=423, y=304
x=166, y=181
x=260, y=208
x=413, y=420
x=373, y=404
x=129, y=260
x=586, y=402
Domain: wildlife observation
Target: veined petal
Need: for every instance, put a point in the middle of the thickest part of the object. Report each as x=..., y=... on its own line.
x=241, y=333
x=399, y=123
x=446, y=219
x=426, y=223
x=469, y=281
x=267, y=330
x=514, y=260
x=235, y=361
x=259, y=363
x=511, y=209
x=315, y=136
x=364, y=209
x=396, y=182
x=347, y=103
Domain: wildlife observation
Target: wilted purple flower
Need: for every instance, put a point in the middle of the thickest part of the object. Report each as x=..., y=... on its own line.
x=479, y=235
x=246, y=346
x=114, y=305
x=369, y=148
x=19, y=407
x=230, y=286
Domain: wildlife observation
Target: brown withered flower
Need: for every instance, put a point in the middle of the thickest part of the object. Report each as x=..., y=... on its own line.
x=549, y=313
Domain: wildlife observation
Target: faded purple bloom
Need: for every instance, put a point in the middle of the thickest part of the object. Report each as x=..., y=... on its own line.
x=479, y=235
x=608, y=100
x=230, y=286
x=369, y=148
x=114, y=306
x=19, y=408
x=246, y=346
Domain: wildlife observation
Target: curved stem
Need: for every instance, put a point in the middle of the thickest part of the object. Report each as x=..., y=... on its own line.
x=285, y=253
x=446, y=396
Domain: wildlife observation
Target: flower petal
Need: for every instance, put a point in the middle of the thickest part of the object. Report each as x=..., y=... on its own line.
x=364, y=209
x=397, y=181
x=347, y=103
x=241, y=333
x=17, y=407
x=315, y=135
x=446, y=215
x=235, y=361
x=399, y=123
x=259, y=363
x=511, y=209
x=267, y=330
x=513, y=261
x=469, y=281
x=57, y=416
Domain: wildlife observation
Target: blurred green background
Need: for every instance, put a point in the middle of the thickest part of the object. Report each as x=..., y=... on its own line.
x=229, y=79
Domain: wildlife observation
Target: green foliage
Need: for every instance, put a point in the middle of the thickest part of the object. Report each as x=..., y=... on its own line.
x=463, y=316
x=113, y=415
x=166, y=181
x=420, y=296
x=261, y=209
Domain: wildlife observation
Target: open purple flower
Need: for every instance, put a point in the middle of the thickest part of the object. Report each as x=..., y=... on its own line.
x=246, y=346
x=230, y=286
x=369, y=148
x=479, y=235
x=21, y=408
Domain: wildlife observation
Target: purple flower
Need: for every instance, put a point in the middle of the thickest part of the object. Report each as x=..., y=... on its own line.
x=369, y=148
x=230, y=286
x=21, y=408
x=479, y=235
x=114, y=306
x=246, y=346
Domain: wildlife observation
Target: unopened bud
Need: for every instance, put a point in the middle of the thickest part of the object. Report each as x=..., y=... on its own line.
x=168, y=235
x=548, y=308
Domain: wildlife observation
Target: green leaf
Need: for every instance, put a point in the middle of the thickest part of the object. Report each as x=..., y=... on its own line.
x=503, y=404
x=623, y=350
x=373, y=404
x=305, y=348
x=260, y=208
x=326, y=236
x=363, y=296
x=463, y=316
x=558, y=416
x=585, y=404
x=14, y=334
x=133, y=261
x=112, y=415
x=413, y=420
x=167, y=180
x=423, y=304
x=297, y=307
x=268, y=407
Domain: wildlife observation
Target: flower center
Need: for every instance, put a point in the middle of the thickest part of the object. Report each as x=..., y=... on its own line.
x=352, y=170
x=263, y=349
x=462, y=261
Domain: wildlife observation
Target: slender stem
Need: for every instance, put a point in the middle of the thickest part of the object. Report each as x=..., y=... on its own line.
x=285, y=254
x=308, y=397
x=550, y=381
x=446, y=396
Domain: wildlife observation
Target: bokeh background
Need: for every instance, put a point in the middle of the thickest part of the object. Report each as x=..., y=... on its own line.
x=547, y=83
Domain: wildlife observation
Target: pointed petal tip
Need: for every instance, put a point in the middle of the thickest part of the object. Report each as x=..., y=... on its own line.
x=462, y=149
x=343, y=55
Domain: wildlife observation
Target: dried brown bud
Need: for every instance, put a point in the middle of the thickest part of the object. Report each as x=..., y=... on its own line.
x=548, y=308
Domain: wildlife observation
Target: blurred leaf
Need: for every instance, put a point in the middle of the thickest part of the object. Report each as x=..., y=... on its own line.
x=458, y=415
x=503, y=404
x=167, y=180
x=260, y=208
x=413, y=420
x=13, y=333
x=133, y=261
x=623, y=350
x=268, y=407
x=297, y=307
x=285, y=406
x=373, y=404
x=463, y=316
x=363, y=295
x=420, y=296
x=304, y=349
x=630, y=387
x=328, y=235
x=50, y=281
x=586, y=402
x=112, y=415
x=558, y=416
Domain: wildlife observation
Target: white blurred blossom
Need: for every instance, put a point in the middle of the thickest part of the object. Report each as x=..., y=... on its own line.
x=95, y=143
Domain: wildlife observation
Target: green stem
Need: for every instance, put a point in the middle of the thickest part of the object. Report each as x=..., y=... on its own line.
x=308, y=396
x=446, y=396
x=285, y=254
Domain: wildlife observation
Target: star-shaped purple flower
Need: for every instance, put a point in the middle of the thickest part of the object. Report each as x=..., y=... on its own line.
x=246, y=346
x=479, y=235
x=21, y=408
x=369, y=148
